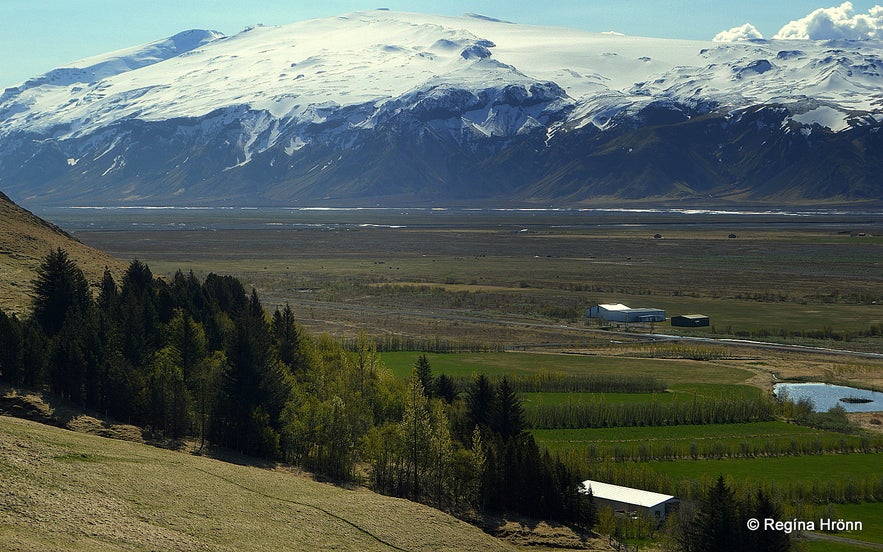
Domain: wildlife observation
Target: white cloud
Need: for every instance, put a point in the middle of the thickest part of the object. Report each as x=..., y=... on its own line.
x=836, y=23
x=745, y=32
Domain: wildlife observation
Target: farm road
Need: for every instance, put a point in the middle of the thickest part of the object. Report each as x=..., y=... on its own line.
x=455, y=316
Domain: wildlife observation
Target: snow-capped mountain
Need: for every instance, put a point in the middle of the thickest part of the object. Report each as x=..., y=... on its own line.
x=382, y=107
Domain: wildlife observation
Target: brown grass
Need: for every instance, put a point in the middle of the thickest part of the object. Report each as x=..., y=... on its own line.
x=25, y=240
x=61, y=490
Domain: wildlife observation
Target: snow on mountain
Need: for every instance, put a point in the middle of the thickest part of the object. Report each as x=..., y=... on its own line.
x=274, y=97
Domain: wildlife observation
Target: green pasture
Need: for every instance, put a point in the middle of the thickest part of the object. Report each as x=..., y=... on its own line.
x=800, y=469
x=753, y=431
x=502, y=364
x=871, y=516
x=773, y=437
x=831, y=546
x=678, y=393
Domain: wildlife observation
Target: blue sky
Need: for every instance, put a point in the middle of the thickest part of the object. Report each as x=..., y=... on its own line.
x=39, y=35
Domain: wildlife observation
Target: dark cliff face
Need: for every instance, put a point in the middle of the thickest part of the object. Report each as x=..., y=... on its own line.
x=425, y=148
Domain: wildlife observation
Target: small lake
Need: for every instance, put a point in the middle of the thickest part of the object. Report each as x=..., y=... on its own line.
x=825, y=396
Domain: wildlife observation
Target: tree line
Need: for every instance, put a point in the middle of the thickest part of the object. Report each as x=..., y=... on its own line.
x=187, y=358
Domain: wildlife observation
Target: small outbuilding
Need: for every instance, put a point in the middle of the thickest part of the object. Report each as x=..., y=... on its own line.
x=690, y=320
x=631, y=502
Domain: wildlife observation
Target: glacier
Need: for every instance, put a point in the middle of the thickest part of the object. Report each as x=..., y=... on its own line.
x=381, y=106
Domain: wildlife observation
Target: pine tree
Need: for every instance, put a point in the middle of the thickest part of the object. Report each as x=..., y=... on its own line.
x=768, y=541
x=59, y=289
x=717, y=525
x=507, y=417
x=445, y=388
x=288, y=338
x=480, y=401
x=424, y=372
x=11, y=344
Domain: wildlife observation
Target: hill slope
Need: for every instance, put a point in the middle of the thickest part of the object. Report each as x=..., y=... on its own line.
x=25, y=239
x=69, y=491
x=385, y=108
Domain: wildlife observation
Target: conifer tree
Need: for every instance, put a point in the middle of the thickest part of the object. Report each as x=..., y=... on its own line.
x=480, y=401
x=445, y=388
x=768, y=541
x=507, y=417
x=11, y=343
x=288, y=338
x=59, y=289
x=424, y=372
x=717, y=525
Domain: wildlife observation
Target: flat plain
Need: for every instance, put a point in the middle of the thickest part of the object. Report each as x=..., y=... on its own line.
x=504, y=294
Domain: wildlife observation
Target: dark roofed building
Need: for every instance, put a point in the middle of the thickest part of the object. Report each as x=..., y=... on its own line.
x=690, y=320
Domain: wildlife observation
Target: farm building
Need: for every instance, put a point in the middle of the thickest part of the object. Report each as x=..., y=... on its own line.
x=617, y=312
x=690, y=320
x=629, y=501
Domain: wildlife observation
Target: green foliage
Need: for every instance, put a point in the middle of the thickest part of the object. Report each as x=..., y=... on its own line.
x=59, y=289
x=191, y=358
x=701, y=410
x=835, y=419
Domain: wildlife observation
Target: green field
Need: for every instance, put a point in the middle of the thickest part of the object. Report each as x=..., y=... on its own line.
x=678, y=393
x=871, y=516
x=809, y=468
x=507, y=364
x=687, y=441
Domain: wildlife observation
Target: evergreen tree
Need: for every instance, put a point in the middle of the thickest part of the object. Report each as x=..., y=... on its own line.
x=187, y=338
x=169, y=397
x=717, y=525
x=288, y=338
x=507, y=418
x=34, y=354
x=445, y=388
x=204, y=387
x=59, y=289
x=480, y=401
x=767, y=541
x=424, y=372
x=11, y=344
x=69, y=360
x=253, y=379
x=108, y=295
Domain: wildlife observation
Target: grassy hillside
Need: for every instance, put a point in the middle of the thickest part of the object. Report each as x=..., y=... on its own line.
x=25, y=239
x=61, y=490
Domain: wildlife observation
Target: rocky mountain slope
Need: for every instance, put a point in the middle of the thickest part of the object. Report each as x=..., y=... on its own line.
x=386, y=108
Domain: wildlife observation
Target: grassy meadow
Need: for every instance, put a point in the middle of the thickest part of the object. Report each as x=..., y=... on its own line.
x=70, y=491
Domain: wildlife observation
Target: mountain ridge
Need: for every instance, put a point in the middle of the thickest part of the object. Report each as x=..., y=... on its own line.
x=377, y=106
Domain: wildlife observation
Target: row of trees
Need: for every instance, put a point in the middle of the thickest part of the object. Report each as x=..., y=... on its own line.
x=202, y=358
x=700, y=410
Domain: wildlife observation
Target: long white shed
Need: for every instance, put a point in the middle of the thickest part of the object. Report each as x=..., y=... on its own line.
x=629, y=501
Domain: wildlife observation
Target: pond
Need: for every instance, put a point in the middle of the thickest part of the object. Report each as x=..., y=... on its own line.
x=825, y=396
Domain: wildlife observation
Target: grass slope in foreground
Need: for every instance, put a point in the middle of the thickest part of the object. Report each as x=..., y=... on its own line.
x=61, y=490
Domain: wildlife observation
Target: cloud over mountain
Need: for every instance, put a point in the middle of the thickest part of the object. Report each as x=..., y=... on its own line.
x=836, y=23
x=745, y=32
